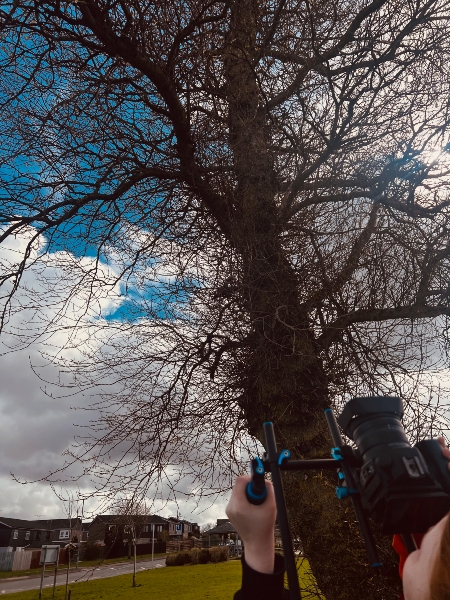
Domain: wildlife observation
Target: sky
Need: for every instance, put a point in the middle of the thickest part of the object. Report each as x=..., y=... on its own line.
x=38, y=420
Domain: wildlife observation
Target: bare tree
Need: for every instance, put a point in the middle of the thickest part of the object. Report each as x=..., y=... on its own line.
x=206, y=527
x=267, y=185
x=133, y=515
x=73, y=508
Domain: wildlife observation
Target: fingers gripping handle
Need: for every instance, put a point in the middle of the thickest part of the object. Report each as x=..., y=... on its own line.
x=256, y=490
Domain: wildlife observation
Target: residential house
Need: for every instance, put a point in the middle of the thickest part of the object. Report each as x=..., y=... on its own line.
x=155, y=523
x=191, y=529
x=21, y=533
x=105, y=528
x=85, y=532
x=180, y=529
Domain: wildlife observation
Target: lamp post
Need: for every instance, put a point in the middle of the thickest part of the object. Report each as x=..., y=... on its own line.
x=153, y=540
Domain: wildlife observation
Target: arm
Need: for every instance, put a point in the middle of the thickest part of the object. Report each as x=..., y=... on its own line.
x=255, y=525
x=262, y=570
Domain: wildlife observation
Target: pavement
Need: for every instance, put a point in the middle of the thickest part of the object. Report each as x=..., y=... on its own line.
x=33, y=582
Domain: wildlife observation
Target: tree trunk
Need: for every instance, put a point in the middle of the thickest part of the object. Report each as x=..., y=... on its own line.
x=66, y=594
x=134, y=564
x=285, y=381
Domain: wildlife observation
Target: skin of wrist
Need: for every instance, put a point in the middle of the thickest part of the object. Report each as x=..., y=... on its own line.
x=260, y=556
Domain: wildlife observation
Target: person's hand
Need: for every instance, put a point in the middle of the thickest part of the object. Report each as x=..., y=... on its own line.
x=255, y=525
x=445, y=450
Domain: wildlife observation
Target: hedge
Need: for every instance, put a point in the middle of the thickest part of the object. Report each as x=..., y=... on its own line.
x=198, y=556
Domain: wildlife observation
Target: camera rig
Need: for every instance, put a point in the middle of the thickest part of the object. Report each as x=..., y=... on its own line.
x=406, y=489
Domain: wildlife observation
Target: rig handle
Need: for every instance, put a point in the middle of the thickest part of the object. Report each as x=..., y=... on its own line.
x=256, y=491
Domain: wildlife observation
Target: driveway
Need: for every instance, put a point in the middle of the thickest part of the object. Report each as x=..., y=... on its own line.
x=8, y=586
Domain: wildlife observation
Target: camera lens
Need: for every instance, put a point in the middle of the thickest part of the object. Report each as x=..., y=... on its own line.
x=394, y=481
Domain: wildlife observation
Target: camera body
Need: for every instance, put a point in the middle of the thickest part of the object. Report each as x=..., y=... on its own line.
x=405, y=489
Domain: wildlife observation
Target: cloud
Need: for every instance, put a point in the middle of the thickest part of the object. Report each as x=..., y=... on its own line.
x=38, y=420
x=37, y=417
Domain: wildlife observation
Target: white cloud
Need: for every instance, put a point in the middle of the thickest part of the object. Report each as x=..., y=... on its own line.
x=37, y=420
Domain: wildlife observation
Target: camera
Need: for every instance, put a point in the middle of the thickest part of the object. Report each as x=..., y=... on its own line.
x=405, y=489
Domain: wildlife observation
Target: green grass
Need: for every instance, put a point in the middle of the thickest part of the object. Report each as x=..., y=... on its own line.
x=191, y=582
x=308, y=584
x=212, y=581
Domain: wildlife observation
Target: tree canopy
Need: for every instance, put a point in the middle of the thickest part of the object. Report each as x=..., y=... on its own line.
x=265, y=186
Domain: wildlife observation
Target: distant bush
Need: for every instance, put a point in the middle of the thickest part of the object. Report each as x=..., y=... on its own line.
x=183, y=558
x=178, y=559
x=203, y=556
x=214, y=554
x=224, y=553
x=197, y=556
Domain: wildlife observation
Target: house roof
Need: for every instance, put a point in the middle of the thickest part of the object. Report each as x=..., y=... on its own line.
x=41, y=524
x=105, y=519
x=188, y=522
x=15, y=523
x=157, y=519
x=58, y=523
x=224, y=528
x=147, y=519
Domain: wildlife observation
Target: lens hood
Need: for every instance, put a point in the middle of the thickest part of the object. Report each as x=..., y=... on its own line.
x=365, y=405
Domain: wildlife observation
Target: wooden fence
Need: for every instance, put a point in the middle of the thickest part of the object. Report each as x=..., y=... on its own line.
x=35, y=558
x=29, y=559
x=121, y=550
x=15, y=561
x=178, y=546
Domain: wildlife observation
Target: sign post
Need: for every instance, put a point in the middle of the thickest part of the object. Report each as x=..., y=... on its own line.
x=43, y=569
x=49, y=556
x=56, y=572
x=179, y=530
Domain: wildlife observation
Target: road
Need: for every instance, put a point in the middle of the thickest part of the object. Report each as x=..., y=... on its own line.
x=83, y=574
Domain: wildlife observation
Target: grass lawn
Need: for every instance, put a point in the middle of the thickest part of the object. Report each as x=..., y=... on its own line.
x=308, y=584
x=191, y=582
x=81, y=564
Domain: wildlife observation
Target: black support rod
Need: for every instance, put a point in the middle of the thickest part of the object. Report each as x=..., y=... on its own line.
x=289, y=559
x=366, y=532
x=303, y=465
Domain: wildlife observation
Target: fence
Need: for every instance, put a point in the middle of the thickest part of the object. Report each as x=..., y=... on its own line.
x=97, y=552
x=235, y=550
x=178, y=546
x=15, y=561
x=35, y=559
x=159, y=548
x=121, y=550
x=22, y=561
x=90, y=551
x=6, y=561
x=28, y=559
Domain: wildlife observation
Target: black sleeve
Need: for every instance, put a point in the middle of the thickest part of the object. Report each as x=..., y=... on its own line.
x=261, y=586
